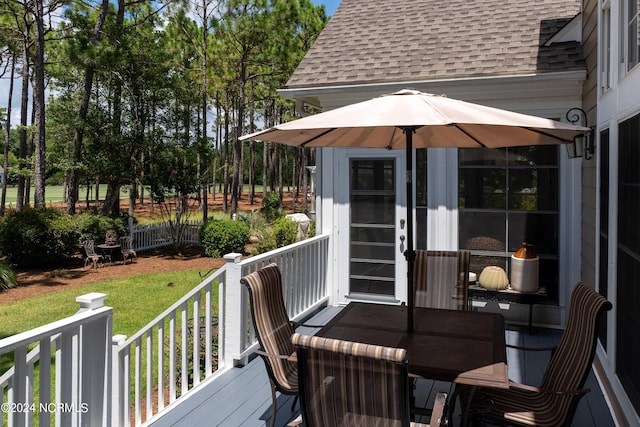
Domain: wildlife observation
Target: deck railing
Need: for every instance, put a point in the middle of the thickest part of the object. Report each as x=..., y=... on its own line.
x=69, y=386
x=100, y=379
x=304, y=286
x=171, y=355
x=207, y=331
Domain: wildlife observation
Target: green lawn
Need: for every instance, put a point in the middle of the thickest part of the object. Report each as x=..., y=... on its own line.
x=55, y=193
x=136, y=300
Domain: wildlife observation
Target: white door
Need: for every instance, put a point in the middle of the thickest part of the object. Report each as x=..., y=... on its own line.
x=372, y=226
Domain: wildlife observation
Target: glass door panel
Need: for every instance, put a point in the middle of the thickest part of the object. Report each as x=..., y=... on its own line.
x=372, y=227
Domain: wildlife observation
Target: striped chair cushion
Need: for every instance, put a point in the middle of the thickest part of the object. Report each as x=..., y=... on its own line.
x=272, y=325
x=566, y=372
x=441, y=279
x=346, y=383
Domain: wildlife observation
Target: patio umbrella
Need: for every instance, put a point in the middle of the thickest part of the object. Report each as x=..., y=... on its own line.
x=411, y=119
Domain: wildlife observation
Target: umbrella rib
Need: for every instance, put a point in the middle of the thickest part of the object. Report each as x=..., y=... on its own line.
x=549, y=135
x=304, y=144
x=469, y=135
x=539, y=132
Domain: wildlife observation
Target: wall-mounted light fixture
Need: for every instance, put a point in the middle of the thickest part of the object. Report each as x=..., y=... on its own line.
x=583, y=145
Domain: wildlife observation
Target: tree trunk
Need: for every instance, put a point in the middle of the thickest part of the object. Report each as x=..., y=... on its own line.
x=237, y=145
x=112, y=199
x=225, y=191
x=78, y=135
x=39, y=107
x=204, y=143
x=252, y=184
x=24, y=111
x=7, y=136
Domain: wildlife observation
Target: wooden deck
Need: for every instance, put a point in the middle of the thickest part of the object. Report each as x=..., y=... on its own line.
x=242, y=397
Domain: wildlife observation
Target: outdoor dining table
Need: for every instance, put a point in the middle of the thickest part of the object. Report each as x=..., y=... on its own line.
x=107, y=250
x=464, y=347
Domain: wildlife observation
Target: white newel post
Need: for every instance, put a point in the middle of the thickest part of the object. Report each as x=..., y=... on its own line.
x=95, y=364
x=235, y=312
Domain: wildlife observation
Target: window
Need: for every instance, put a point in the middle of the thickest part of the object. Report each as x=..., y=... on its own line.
x=629, y=46
x=603, y=241
x=605, y=43
x=506, y=197
x=628, y=260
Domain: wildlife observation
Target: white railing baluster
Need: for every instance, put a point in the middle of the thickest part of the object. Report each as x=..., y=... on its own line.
x=172, y=356
x=67, y=341
x=196, y=339
x=222, y=298
x=126, y=386
x=3, y=389
x=161, y=365
x=137, y=383
x=149, y=366
x=44, y=420
x=19, y=385
x=184, y=349
x=208, y=356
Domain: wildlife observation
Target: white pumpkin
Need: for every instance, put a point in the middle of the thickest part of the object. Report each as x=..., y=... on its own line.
x=493, y=277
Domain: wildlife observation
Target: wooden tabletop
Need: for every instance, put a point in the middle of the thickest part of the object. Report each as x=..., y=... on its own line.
x=467, y=347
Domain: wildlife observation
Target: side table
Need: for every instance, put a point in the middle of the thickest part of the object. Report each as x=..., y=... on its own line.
x=509, y=295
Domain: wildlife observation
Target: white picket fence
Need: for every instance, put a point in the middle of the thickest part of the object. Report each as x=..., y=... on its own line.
x=150, y=236
x=103, y=380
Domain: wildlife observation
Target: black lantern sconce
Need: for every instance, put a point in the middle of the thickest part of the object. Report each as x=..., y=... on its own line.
x=583, y=145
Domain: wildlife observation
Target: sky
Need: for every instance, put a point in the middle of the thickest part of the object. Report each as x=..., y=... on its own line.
x=330, y=6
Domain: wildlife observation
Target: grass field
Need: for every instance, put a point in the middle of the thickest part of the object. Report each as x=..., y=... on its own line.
x=55, y=193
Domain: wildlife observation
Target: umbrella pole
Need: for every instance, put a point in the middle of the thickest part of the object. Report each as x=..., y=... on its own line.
x=409, y=254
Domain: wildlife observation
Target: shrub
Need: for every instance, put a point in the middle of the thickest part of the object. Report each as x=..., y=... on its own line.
x=312, y=229
x=271, y=207
x=285, y=232
x=265, y=242
x=93, y=226
x=43, y=236
x=8, y=278
x=220, y=237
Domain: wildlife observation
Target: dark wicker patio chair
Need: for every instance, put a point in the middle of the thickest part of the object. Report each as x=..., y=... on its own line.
x=441, y=279
x=274, y=330
x=554, y=402
x=345, y=383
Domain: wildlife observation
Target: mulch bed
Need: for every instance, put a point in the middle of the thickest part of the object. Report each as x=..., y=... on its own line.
x=38, y=282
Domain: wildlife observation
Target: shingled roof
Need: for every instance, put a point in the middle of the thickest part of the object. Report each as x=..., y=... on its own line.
x=409, y=40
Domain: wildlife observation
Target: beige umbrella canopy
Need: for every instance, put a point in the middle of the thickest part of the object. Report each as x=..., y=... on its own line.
x=437, y=121
x=411, y=119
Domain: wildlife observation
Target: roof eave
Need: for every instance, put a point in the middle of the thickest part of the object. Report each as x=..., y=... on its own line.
x=476, y=88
